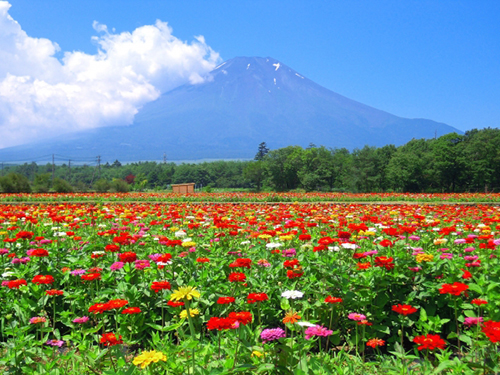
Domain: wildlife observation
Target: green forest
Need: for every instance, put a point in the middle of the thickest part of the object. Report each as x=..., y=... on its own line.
x=451, y=163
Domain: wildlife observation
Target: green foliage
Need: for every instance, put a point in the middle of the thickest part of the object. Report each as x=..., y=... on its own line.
x=61, y=186
x=15, y=183
x=42, y=183
x=451, y=163
x=119, y=186
x=102, y=185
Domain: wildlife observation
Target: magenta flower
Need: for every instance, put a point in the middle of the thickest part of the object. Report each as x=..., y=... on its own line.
x=83, y=319
x=78, y=272
x=473, y=321
x=54, y=342
x=271, y=334
x=116, y=266
x=357, y=317
x=140, y=264
x=317, y=330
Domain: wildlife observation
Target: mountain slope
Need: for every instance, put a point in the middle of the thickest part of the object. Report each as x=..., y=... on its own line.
x=245, y=102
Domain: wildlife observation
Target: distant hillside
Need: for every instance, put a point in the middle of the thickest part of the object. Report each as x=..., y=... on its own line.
x=248, y=100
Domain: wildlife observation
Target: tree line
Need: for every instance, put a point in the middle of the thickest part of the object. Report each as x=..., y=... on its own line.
x=451, y=163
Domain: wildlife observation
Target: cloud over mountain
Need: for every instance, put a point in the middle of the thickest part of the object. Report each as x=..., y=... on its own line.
x=41, y=96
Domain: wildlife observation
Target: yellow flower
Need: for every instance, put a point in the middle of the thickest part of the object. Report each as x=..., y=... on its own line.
x=264, y=236
x=188, y=244
x=286, y=238
x=184, y=292
x=192, y=312
x=424, y=258
x=147, y=357
x=256, y=353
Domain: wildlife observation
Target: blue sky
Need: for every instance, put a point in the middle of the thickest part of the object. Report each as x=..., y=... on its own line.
x=435, y=59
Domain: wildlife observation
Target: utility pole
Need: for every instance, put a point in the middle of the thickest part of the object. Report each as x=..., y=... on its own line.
x=164, y=158
x=98, y=166
x=53, y=168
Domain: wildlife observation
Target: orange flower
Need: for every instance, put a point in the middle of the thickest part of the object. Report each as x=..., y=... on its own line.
x=291, y=317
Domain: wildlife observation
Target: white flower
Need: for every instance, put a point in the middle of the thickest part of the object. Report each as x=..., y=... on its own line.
x=351, y=246
x=245, y=243
x=306, y=324
x=7, y=274
x=180, y=233
x=292, y=294
x=272, y=245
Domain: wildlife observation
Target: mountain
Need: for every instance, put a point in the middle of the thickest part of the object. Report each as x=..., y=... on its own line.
x=245, y=101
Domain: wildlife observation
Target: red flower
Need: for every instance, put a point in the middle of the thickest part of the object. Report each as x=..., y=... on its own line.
x=257, y=297
x=54, y=292
x=91, y=276
x=131, y=310
x=375, y=342
x=292, y=274
x=160, y=285
x=221, y=323
x=291, y=263
x=39, y=253
x=117, y=303
x=243, y=317
x=225, y=300
x=385, y=243
x=454, y=289
x=241, y=263
x=404, y=309
x=99, y=308
x=478, y=301
x=112, y=248
x=363, y=266
x=467, y=275
x=42, y=279
x=344, y=235
x=24, y=235
x=109, y=339
x=304, y=237
x=364, y=322
x=128, y=257
x=203, y=260
x=492, y=330
x=175, y=304
x=164, y=258
x=237, y=277
x=15, y=284
x=386, y=262
x=331, y=299
x=429, y=342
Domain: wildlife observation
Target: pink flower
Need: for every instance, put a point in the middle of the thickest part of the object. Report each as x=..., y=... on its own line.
x=116, y=266
x=141, y=264
x=446, y=256
x=356, y=316
x=83, y=319
x=317, y=331
x=473, y=321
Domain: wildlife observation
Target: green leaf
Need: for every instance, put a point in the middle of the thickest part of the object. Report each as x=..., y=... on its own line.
x=466, y=339
x=442, y=366
x=475, y=288
x=423, y=314
x=265, y=367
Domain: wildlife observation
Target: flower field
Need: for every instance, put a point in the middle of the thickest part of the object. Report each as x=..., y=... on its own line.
x=219, y=288
x=246, y=197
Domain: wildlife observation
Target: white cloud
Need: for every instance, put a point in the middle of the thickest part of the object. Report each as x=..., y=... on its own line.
x=41, y=95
